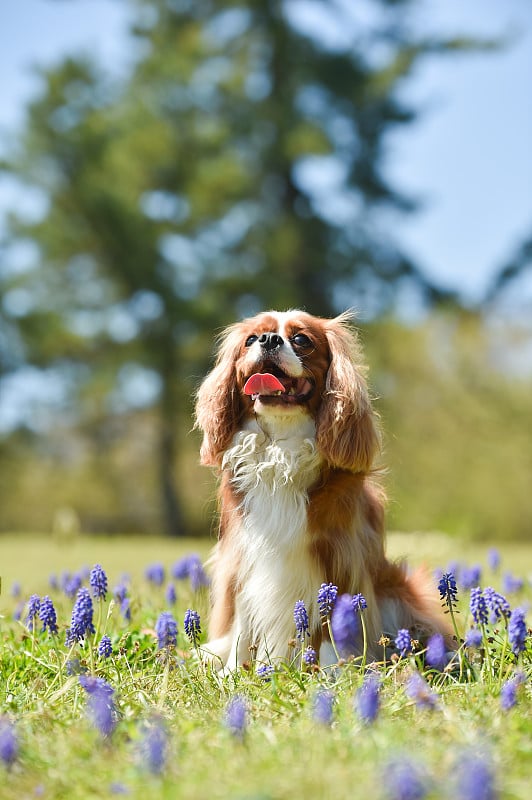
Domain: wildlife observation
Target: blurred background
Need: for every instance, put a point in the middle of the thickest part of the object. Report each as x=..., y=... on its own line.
x=170, y=166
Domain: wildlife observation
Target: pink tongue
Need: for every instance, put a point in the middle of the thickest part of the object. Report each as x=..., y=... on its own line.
x=263, y=383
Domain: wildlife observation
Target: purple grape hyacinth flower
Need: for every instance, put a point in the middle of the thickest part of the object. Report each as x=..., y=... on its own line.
x=494, y=559
x=8, y=742
x=301, y=619
x=478, y=606
x=322, y=708
x=498, y=605
x=367, y=699
x=470, y=576
x=448, y=590
x=171, y=594
x=166, y=630
x=198, y=577
x=345, y=626
x=265, y=672
x=517, y=630
x=436, y=655
x=154, y=573
x=473, y=638
x=236, y=716
x=34, y=604
x=310, y=656
x=327, y=595
x=418, y=690
x=101, y=707
x=359, y=602
x=511, y=584
x=474, y=779
x=404, y=781
x=154, y=745
x=105, y=648
x=47, y=615
x=82, y=614
x=403, y=641
x=192, y=625
x=98, y=582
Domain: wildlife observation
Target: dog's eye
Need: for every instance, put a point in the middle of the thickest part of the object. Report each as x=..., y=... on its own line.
x=251, y=339
x=300, y=340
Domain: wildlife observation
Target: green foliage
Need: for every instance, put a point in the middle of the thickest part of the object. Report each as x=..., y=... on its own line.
x=284, y=750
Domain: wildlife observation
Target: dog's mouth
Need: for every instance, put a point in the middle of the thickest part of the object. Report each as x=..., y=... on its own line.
x=275, y=386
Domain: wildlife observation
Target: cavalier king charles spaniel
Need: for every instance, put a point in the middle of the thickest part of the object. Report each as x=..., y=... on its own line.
x=287, y=421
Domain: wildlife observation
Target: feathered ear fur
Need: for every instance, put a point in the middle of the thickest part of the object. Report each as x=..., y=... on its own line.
x=346, y=428
x=218, y=405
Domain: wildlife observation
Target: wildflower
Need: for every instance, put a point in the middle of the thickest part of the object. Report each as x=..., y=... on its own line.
x=181, y=568
x=154, y=573
x=166, y=630
x=470, y=576
x=16, y=589
x=81, y=623
x=192, y=626
x=404, y=781
x=322, y=710
x=473, y=638
x=125, y=608
x=436, y=655
x=74, y=667
x=71, y=583
x=517, y=630
x=33, y=609
x=171, y=595
x=498, y=606
x=448, y=591
x=345, y=625
x=327, y=594
x=120, y=592
x=508, y=697
x=511, y=584
x=478, y=606
x=367, y=699
x=154, y=745
x=98, y=582
x=474, y=779
x=494, y=559
x=8, y=741
x=236, y=716
x=101, y=707
x=309, y=656
x=198, y=576
x=47, y=615
x=105, y=648
x=265, y=671
x=301, y=620
x=53, y=582
x=403, y=641
x=417, y=689
x=359, y=602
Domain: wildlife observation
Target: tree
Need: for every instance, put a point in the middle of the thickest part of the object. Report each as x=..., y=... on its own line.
x=188, y=195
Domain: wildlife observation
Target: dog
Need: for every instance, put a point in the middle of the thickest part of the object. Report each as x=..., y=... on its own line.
x=288, y=423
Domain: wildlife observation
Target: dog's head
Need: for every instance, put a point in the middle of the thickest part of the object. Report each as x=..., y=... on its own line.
x=280, y=367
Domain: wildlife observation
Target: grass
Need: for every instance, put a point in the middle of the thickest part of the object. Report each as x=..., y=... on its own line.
x=283, y=751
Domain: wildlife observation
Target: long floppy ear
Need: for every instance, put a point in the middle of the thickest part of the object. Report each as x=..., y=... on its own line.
x=346, y=429
x=218, y=403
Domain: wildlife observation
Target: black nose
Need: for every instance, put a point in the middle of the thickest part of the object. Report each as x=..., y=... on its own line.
x=270, y=341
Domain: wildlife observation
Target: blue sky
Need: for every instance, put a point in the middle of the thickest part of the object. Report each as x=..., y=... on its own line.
x=468, y=159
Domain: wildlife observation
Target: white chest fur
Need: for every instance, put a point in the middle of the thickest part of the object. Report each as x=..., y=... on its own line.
x=273, y=476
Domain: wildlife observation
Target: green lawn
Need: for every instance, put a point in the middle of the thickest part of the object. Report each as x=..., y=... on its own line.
x=284, y=752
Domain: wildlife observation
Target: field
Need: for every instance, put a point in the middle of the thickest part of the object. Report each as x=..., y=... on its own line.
x=166, y=728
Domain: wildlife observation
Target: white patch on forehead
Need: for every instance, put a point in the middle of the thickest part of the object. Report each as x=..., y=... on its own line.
x=283, y=318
